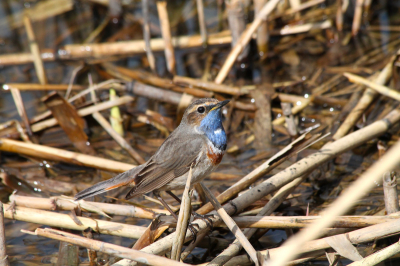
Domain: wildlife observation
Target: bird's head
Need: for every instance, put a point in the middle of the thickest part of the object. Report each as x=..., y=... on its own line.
x=205, y=116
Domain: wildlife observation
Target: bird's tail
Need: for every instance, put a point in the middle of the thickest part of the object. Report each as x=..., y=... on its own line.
x=126, y=178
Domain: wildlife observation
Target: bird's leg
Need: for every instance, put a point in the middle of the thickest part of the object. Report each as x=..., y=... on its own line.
x=190, y=226
x=157, y=194
x=195, y=214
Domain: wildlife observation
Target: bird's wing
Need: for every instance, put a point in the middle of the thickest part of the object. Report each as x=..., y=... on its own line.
x=172, y=160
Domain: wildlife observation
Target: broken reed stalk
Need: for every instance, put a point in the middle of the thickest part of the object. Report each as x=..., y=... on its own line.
x=367, y=98
x=147, y=35
x=230, y=223
x=166, y=34
x=268, y=209
x=202, y=22
x=390, y=192
x=84, y=112
x=65, y=221
x=37, y=59
x=183, y=220
x=54, y=154
x=328, y=152
x=3, y=250
x=244, y=40
x=58, y=203
x=377, y=257
x=345, y=201
x=377, y=87
x=117, y=137
x=251, y=177
x=359, y=236
x=114, y=250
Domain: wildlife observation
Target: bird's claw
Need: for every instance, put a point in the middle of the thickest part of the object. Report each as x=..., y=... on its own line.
x=205, y=218
x=193, y=230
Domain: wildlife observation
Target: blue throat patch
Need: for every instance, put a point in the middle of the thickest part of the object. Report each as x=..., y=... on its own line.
x=211, y=125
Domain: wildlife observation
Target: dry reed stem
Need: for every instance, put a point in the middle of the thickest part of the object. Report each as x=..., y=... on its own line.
x=288, y=222
x=291, y=11
x=300, y=168
x=34, y=47
x=262, y=31
x=117, y=137
x=19, y=104
x=65, y=221
x=3, y=250
x=268, y=209
x=114, y=250
x=244, y=40
x=345, y=201
x=38, y=12
x=235, y=10
x=54, y=154
x=295, y=29
x=84, y=112
x=230, y=223
x=294, y=4
x=377, y=257
x=166, y=34
x=303, y=221
x=377, y=87
x=40, y=87
x=359, y=236
x=147, y=35
x=183, y=220
x=339, y=15
x=390, y=192
x=202, y=22
x=290, y=123
x=57, y=203
x=357, y=17
x=208, y=85
x=367, y=98
x=251, y=177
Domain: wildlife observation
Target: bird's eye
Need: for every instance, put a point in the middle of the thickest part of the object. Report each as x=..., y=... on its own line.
x=201, y=109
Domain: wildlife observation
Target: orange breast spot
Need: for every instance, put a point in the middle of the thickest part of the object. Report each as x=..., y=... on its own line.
x=215, y=158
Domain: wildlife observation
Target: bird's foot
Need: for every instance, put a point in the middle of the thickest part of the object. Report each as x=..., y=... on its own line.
x=205, y=218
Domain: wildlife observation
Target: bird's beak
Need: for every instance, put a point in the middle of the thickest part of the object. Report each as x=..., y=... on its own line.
x=220, y=105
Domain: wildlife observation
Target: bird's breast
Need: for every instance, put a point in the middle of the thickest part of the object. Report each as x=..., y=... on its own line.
x=214, y=154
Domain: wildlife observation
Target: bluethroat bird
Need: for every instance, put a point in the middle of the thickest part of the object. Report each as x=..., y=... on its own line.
x=198, y=142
